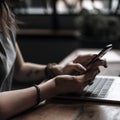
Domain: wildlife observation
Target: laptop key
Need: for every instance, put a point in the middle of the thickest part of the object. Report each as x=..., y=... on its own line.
x=99, y=87
x=105, y=88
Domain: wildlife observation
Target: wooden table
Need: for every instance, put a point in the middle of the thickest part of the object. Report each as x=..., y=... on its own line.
x=72, y=110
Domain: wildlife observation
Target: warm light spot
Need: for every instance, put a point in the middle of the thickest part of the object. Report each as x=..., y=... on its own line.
x=87, y=4
x=98, y=4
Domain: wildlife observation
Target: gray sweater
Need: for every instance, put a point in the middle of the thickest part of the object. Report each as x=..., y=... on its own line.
x=7, y=60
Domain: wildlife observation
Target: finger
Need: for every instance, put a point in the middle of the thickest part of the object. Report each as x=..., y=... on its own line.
x=88, y=78
x=83, y=58
x=89, y=60
x=77, y=67
x=101, y=62
x=90, y=75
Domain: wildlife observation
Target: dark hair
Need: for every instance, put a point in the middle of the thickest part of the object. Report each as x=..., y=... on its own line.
x=7, y=20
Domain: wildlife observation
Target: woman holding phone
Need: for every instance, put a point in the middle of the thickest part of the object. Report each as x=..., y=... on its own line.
x=13, y=67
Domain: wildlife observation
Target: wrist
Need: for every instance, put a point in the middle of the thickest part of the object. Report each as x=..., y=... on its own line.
x=48, y=89
x=49, y=73
x=52, y=70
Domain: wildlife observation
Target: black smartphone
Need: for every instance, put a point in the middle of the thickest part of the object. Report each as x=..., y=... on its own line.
x=101, y=53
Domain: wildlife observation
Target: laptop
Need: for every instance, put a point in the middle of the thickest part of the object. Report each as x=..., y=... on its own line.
x=105, y=89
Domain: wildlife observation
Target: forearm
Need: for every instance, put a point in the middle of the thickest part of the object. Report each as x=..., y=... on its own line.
x=17, y=101
x=30, y=72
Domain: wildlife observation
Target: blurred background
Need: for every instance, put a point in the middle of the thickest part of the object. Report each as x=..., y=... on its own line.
x=48, y=30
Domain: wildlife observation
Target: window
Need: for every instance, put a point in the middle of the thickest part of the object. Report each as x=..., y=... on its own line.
x=59, y=14
x=64, y=6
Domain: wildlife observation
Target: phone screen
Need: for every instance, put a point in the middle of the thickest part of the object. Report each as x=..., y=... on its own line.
x=101, y=53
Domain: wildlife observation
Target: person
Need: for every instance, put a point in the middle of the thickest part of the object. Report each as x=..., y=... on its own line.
x=59, y=79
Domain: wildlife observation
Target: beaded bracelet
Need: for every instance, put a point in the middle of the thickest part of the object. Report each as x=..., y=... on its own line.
x=48, y=71
x=38, y=98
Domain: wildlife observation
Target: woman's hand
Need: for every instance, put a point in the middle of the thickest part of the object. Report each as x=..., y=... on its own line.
x=69, y=83
x=78, y=65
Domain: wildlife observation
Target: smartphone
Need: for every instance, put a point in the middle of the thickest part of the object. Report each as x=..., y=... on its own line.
x=101, y=53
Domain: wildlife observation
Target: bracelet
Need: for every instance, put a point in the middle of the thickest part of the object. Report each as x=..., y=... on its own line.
x=38, y=99
x=49, y=72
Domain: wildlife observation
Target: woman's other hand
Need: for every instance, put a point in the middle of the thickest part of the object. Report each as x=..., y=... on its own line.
x=81, y=64
x=78, y=65
x=69, y=83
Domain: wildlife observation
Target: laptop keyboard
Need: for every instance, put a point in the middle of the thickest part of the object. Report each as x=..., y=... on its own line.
x=98, y=89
